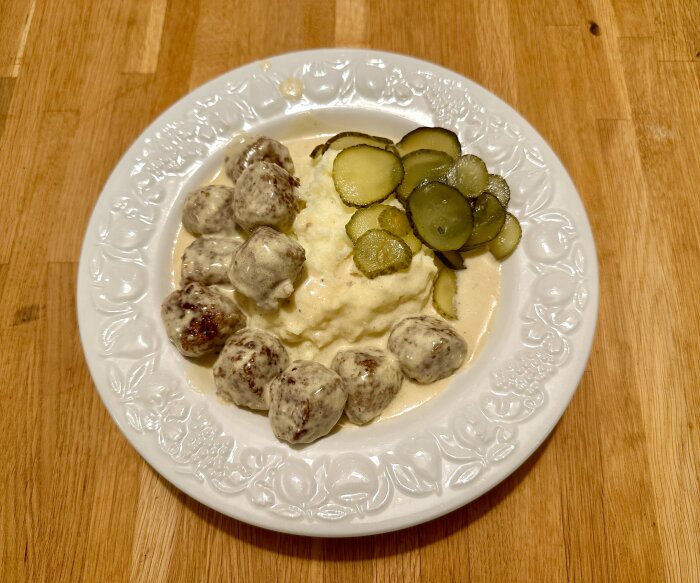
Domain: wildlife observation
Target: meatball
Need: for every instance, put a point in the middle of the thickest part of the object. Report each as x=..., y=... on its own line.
x=264, y=195
x=371, y=378
x=305, y=401
x=208, y=210
x=428, y=348
x=248, y=362
x=207, y=260
x=265, y=266
x=249, y=149
x=198, y=319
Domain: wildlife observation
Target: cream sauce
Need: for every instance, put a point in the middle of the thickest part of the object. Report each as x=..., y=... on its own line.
x=478, y=292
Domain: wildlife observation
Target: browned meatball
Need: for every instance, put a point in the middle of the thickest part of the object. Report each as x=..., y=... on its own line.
x=306, y=401
x=249, y=148
x=428, y=348
x=198, y=319
x=264, y=195
x=265, y=266
x=248, y=362
x=208, y=210
x=371, y=378
x=207, y=260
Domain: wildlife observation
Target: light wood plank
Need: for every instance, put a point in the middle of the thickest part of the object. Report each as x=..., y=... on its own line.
x=143, y=36
x=580, y=466
x=633, y=18
x=493, y=43
x=152, y=550
x=677, y=34
x=63, y=461
x=351, y=23
x=113, y=505
x=38, y=94
x=15, y=23
x=390, y=30
x=215, y=32
x=658, y=112
x=607, y=89
x=19, y=516
x=630, y=515
x=529, y=502
x=7, y=85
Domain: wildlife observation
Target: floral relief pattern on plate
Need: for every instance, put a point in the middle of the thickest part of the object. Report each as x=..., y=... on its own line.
x=452, y=455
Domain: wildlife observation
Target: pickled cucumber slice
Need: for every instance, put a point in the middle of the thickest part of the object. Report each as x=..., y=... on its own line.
x=413, y=242
x=422, y=166
x=489, y=217
x=451, y=259
x=430, y=139
x=507, y=239
x=469, y=175
x=395, y=221
x=363, y=220
x=347, y=139
x=365, y=174
x=393, y=149
x=499, y=188
x=445, y=293
x=379, y=252
x=440, y=215
x=318, y=151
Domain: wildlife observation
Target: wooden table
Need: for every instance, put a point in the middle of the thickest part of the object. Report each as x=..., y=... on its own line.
x=613, y=85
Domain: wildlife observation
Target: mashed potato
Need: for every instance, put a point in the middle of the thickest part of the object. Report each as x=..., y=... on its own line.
x=334, y=304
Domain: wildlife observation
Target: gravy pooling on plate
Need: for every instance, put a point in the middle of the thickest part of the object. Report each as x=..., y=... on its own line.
x=328, y=270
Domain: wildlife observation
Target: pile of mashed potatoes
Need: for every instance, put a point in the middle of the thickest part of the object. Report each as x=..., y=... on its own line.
x=334, y=304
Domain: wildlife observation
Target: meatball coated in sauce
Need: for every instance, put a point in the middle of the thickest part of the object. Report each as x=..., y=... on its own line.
x=306, y=401
x=428, y=349
x=198, y=319
x=265, y=266
x=264, y=196
x=207, y=260
x=248, y=362
x=208, y=210
x=371, y=378
x=248, y=149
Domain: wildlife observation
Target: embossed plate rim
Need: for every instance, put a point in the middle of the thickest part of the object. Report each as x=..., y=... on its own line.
x=311, y=492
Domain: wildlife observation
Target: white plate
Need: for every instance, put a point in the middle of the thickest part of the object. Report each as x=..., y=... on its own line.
x=380, y=478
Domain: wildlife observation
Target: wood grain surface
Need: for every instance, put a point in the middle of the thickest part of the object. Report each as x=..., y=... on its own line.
x=613, y=85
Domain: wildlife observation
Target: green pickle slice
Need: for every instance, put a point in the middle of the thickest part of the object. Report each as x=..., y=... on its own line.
x=430, y=139
x=365, y=174
x=507, y=239
x=379, y=252
x=445, y=293
x=347, y=139
x=413, y=242
x=468, y=175
x=363, y=220
x=422, y=166
x=451, y=259
x=498, y=186
x=440, y=215
x=489, y=217
x=395, y=221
